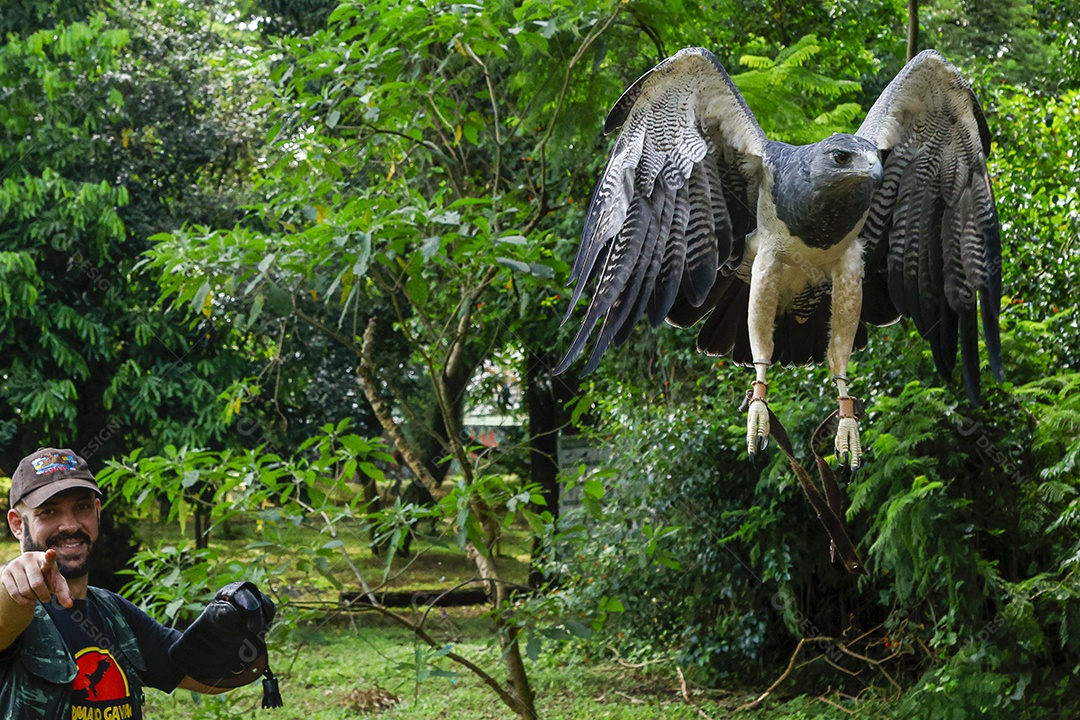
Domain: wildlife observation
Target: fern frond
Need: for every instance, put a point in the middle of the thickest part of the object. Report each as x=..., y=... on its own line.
x=842, y=115
x=778, y=90
x=1055, y=492
x=757, y=62
x=800, y=53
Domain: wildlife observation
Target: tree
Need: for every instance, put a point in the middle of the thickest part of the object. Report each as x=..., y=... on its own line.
x=116, y=129
x=409, y=181
x=57, y=226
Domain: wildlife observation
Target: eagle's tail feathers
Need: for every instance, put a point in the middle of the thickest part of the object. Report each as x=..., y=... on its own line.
x=992, y=333
x=969, y=355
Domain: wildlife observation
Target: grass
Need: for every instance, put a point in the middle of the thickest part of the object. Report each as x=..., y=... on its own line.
x=362, y=666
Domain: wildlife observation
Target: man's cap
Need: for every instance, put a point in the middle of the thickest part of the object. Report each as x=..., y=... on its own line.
x=46, y=472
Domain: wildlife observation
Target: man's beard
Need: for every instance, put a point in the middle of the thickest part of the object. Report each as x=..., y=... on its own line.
x=68, y=569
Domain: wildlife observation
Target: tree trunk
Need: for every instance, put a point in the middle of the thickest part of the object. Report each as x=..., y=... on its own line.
x=912, y=29
x=516, y=677
x=545, y=411
x=202, y=501
x=435, y=447
x=518, y=695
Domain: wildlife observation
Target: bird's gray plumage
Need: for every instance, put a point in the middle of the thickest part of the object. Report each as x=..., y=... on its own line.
x=932, y=236
x=693, y=187
x=818, y=194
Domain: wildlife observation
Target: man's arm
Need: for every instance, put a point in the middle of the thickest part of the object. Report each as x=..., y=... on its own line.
x=29, y=578
x=154, y=641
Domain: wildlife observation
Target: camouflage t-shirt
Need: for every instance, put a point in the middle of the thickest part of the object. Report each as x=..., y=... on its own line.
x=101, y=689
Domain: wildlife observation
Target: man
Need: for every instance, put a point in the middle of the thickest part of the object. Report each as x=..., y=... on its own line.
x=67, y=649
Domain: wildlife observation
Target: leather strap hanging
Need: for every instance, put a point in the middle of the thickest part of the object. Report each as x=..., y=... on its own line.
x=830, y=508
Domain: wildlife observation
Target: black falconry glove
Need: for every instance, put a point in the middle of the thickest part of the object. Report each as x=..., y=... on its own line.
x=224, y=647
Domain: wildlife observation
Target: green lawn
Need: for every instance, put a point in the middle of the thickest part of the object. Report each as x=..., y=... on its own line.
x=361, y=666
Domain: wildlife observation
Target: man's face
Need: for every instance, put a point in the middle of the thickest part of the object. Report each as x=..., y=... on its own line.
x=68, y=523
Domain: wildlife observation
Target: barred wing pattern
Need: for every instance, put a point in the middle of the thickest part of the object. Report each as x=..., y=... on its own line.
x=674, y=204
x=932, y=238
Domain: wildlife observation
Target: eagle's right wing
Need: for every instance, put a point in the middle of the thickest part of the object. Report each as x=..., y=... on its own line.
x=674, y=204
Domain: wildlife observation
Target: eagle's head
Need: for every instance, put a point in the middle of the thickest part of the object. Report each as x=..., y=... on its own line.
x=823, y=191
x=846, y=163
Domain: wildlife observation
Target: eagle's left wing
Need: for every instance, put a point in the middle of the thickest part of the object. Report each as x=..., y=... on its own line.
x=932, y=240
x=676, y=199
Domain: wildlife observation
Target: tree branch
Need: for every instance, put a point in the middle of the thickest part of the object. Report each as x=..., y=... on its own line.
x=513, y=702
x=367, y=374
x=494, y=115
x=686, y=695
x=542, y=146
x=913, y=29
x=454, y=358
x=786, y=673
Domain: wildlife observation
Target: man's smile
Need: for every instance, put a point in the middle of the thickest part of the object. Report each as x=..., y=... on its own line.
x=69, y=545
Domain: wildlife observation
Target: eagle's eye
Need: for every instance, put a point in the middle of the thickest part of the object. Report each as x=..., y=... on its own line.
x=842, y=157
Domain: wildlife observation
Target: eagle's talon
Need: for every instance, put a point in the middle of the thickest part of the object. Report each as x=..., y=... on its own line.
x=848, y=447
x=757, y=427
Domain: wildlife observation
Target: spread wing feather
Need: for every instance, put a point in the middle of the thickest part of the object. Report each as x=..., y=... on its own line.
x=932, y=233
x=670, y=212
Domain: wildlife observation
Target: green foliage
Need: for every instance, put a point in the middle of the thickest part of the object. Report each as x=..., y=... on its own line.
x=968, y=686
x=292, y=17
x=105, y=130
x=281, y=493
x=174, y=584
x=246, y=479
x=1036, y=147
x=672, y=549
x=55, y=223
x=784, y=92
x=1002, y=39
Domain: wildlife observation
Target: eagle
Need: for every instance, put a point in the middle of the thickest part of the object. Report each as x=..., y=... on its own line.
x=787, y=252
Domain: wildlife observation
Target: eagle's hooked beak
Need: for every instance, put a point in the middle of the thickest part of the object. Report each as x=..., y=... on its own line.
x=873, y=165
